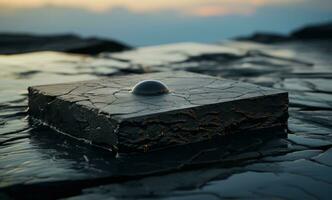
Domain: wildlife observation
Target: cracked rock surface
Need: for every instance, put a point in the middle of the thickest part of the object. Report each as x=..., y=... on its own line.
x=38, y=163
x=198, y=108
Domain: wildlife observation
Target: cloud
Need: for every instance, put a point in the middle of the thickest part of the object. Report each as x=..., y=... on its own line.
x=191, y=7
x=217, y=10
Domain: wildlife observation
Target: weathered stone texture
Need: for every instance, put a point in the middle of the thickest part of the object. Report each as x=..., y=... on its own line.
x=197, y=108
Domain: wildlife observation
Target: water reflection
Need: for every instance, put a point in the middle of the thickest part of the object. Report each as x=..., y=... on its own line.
x=52, y=159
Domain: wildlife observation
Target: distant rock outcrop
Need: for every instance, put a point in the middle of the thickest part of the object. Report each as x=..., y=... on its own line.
x=12, y=43
x=318, y=31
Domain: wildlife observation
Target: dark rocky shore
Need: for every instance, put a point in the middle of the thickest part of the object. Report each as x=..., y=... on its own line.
x=312, y=32
x=38, y=163
x=12, y=43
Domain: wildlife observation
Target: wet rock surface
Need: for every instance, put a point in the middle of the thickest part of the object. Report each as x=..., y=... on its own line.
x=37, y=163
x=23, y=43
x=198, y=108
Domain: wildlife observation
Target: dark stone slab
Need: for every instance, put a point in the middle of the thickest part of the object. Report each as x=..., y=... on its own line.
x=12, y=43
x=197, y=108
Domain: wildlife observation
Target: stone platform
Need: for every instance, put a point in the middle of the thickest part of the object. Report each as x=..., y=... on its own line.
x=38, y=163
x=197, y=108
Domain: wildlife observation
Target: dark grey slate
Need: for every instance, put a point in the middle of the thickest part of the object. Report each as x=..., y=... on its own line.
x=197, y=108
x=38, y=163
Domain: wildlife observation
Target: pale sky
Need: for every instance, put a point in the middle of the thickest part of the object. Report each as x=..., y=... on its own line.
x=193, y=7
x=149, y=22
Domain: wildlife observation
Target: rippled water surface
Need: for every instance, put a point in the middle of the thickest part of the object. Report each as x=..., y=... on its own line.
x=36, y=158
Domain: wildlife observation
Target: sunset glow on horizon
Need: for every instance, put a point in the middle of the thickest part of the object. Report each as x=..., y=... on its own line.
x=187, y=7
x=149, y=22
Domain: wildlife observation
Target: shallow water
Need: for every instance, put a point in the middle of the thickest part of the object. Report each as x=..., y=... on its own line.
x=298, y=166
